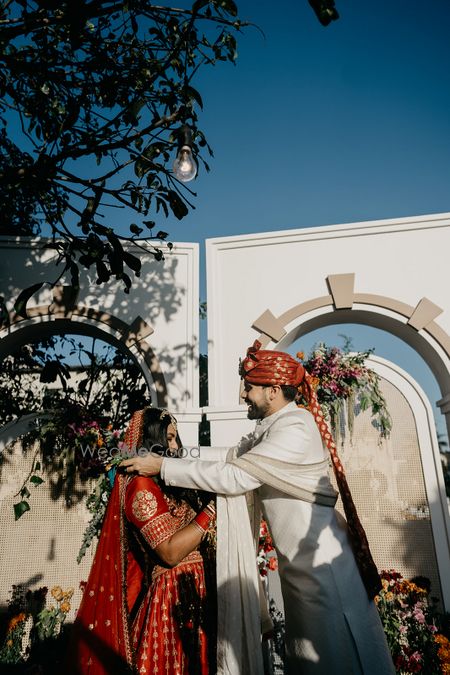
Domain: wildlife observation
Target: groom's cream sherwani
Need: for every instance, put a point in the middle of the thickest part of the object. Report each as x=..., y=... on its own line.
x=331, y=627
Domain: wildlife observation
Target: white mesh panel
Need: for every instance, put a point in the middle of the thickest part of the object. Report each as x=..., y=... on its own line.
x=41, y=548
x=387, y=484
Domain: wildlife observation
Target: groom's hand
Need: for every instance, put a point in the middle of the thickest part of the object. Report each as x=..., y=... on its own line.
x=150, y=465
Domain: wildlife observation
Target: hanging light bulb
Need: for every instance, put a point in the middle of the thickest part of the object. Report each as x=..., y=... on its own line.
x=185, y=167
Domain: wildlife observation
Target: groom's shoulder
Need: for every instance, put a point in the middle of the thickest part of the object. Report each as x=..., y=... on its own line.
x=293, y=415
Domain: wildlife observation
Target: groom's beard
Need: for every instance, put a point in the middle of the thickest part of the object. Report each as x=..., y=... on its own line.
x=257, y=412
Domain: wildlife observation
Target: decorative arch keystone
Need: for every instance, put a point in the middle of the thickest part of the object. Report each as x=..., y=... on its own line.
x=342, y=289
x=424, y=313
x=269, y=325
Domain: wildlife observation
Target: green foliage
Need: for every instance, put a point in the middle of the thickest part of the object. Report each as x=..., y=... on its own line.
x=84, y=378
x=12, y=650
x=325, y=11
x=91, y=97
x=20, y=508
x=96, y=504
x=90, y=389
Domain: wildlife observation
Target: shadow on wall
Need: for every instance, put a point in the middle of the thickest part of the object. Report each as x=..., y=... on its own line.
x=155, y=294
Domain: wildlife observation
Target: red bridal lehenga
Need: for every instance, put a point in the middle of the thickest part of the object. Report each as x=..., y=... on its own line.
x=137, y=616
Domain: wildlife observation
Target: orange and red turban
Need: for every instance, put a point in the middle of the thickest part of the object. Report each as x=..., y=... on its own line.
x=267, y=367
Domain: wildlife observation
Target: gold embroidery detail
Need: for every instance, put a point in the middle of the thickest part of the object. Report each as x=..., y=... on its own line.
x=144, y=505
x=159, y=529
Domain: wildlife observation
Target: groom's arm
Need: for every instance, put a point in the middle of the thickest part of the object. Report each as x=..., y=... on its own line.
x=219, y=477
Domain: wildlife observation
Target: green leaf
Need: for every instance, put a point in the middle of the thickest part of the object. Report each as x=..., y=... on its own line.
x=179, y=208
x=135, y=229
x=194, y=95
x=161, y=204
x=20, y=509
x=49, y=372
x=102, y=272
x=198, y=5
x=132, y=261
x=36, y=480
x=127, y=281
x=136, y=108
x=229, y=6
x=20, y=306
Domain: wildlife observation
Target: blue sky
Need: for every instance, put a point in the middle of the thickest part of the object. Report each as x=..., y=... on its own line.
x=317, y=126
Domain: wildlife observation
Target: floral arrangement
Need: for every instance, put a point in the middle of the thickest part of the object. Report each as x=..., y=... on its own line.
x=265, y=546
x=70, y=441
x=50, y=620
x=411, y=623
x=341, y=377
x=443, y=652
x=33, y=624
x=13, y=649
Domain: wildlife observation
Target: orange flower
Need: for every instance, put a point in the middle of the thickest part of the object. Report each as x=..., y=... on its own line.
x=442, y=640
x=15, y=621
x=443, y=652
x=65, y=607
x=99, y=441
x=57, y=593
x=410, y=587
x=273, y=563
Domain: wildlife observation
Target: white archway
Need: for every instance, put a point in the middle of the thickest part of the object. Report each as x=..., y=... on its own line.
x=432, y=349
x=277, y=286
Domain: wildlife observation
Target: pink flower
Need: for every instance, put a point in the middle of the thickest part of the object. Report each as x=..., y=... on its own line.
x=419, y=615
x=415, y=662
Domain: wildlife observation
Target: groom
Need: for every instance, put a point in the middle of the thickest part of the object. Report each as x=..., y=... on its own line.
x=331, y=624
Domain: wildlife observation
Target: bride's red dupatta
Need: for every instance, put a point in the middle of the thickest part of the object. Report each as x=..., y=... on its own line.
x=101, y=641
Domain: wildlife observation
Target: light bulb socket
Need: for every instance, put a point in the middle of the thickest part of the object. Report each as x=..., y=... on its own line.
x=184, y=137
